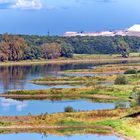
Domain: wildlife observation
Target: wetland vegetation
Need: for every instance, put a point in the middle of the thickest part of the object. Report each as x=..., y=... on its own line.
x=122, y=85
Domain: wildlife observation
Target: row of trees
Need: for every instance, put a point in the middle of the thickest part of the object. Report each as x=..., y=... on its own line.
x=105, y=45
x=92, y=45
x=15, y=48
x=23, y=47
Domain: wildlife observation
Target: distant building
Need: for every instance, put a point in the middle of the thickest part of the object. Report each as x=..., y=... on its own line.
x=70, y=33
x=132, y=31
x=103, y=33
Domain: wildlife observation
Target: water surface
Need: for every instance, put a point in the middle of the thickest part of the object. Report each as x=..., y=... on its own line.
x=10, y=107
x=24, y=136
x=18, y=77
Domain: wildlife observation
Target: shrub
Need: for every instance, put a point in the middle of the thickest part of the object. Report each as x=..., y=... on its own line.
x=120, y=105
x=120, y=80
x=136, y=97
x=69, y=109
x=138, y=71
x=130, y=71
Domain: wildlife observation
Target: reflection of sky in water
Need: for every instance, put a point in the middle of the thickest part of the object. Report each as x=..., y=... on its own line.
x=51, y=137
x=14, y=107
x=8, y=103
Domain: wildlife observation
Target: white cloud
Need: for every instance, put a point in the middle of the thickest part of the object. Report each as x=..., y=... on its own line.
x=27, y=4
x=3, y=1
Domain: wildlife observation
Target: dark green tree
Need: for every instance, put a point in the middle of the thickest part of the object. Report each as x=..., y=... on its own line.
x=66, y=50
x=123, y=47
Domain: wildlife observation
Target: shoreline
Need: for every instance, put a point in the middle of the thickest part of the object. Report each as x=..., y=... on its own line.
x=68, y=61
x=45, y=96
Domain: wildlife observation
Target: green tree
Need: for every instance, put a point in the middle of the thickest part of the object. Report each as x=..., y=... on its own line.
x=123, y=47
x=33, y=52
x=66, y=50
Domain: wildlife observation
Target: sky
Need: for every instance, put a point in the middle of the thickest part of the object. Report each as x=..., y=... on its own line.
x=58, y=16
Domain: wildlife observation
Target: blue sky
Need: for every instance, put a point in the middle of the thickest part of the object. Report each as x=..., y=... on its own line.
x=58, y=16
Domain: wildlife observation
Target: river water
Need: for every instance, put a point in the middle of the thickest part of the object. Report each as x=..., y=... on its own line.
x=23, y=136
x=18, y=77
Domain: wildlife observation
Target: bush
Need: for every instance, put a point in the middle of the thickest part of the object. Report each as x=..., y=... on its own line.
x=69, y=109
x=130, y=71
x=136, y=97
x=120, y=80
x=120, y=105
x=138, y=71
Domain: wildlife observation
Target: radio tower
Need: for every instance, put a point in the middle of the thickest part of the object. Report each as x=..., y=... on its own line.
x=48, y=33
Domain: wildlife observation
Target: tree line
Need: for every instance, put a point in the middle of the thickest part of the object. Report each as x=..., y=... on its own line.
x=15, y=48
x=24, y=47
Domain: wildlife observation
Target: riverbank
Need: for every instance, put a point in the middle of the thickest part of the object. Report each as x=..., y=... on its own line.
x=76, y=59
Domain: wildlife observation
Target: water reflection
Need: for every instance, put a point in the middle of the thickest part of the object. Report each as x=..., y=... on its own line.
x=24, y=136
x=16, y=77
x=10, y=107
x=6, y=104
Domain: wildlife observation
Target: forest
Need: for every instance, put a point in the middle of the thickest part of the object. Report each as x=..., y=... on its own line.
x=28, y=47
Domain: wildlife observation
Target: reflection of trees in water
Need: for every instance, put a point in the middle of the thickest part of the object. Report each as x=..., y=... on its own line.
x=75, y=66
x=15, y=77
x=10, y=75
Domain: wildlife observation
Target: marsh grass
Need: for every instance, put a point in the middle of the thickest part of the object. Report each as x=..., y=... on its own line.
x=120, y=91
x=71, y=80
x=99, y=121
x=127, y=68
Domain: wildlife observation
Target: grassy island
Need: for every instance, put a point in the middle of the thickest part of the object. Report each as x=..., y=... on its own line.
x=123, y=122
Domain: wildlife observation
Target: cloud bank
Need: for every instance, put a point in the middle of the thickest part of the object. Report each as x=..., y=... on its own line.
x=21, y=4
